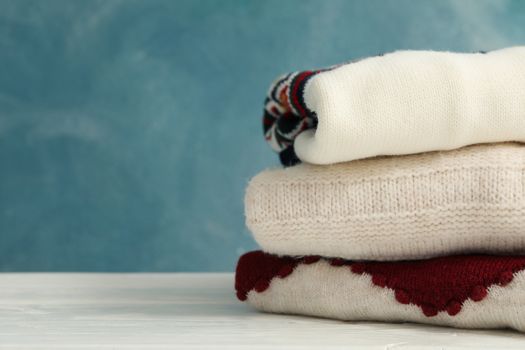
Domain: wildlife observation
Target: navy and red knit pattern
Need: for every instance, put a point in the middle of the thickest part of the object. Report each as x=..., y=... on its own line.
x=286, y=115
x=435, y=285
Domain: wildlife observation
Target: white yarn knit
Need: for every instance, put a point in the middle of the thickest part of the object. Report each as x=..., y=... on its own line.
x=393, y=208
x=414, y=101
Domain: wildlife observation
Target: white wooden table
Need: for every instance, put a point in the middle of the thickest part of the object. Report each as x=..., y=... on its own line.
x=189, y=311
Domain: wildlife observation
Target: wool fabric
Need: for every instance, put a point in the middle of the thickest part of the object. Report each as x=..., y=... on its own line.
x=469, y=200
x=399, y=103
x=459, y=291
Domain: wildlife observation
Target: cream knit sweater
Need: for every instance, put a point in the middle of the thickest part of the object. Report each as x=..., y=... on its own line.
x=414, y=101
x=391, y=208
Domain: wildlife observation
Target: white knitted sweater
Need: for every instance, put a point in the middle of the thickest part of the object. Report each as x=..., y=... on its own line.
x=391, y=208
x=414, y=101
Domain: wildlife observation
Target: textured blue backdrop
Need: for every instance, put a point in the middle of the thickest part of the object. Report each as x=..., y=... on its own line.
x=129, y=129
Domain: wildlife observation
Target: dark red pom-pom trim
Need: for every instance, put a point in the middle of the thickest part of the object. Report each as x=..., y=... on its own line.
x=478, y=293
x=358, y=268
x=379, y=280
x=453, y=307
x=241, y=295
x=337, y=262
x=429, y=310
x=311, y=259
x=505, y=277
x=285, y=271
x=402, y=296
x=261, y=286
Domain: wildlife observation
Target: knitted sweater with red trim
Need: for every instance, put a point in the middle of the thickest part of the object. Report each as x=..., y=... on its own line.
x=476, y=291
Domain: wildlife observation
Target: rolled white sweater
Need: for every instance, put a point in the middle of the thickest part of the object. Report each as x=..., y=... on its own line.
x=470, y=200
x=401, y=103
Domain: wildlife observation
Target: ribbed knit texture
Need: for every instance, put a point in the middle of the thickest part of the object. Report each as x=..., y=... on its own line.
x=394, y=208
x=404, y=102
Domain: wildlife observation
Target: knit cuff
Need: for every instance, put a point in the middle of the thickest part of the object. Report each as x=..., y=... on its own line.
x=286, y=115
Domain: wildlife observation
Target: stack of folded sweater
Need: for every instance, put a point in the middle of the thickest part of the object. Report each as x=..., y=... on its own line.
x=404, y=196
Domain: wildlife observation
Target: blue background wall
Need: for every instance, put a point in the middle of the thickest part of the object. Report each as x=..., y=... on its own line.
x=129, y=129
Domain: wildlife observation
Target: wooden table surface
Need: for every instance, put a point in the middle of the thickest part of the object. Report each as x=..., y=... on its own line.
x=190, y=311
